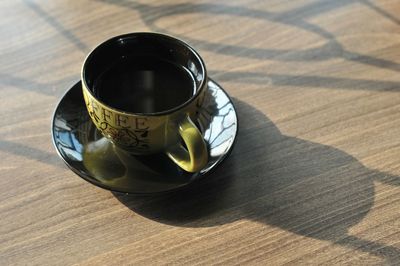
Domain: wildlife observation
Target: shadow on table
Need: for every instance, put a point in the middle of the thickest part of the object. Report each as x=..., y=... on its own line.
x=300, y=186
x=296, y=18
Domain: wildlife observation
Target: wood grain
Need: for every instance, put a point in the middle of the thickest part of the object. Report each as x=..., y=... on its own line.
x=314, y=177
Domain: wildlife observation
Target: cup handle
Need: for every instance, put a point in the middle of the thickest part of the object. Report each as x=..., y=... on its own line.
x=195, y=157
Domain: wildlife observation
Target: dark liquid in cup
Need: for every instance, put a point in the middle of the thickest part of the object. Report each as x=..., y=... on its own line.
x=144, y=85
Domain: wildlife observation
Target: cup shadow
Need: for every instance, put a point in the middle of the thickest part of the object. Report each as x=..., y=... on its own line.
x=300, y=186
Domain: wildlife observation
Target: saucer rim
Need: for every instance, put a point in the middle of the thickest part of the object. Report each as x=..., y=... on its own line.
x=93, y=181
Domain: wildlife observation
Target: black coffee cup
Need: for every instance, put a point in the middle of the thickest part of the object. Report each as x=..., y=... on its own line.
x=143, y=91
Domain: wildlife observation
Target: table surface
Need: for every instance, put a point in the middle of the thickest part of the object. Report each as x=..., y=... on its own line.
x=314, y=176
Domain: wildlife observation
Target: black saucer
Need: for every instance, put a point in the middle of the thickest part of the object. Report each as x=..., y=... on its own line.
x=96, y=160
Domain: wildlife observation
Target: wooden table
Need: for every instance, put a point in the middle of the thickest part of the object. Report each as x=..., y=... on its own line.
x=313, y=179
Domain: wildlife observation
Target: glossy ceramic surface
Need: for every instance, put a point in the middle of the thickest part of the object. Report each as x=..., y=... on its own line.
x=149, y=133
x=94, y=158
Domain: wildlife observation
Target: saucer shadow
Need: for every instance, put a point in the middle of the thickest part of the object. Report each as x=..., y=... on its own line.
x=303, y=187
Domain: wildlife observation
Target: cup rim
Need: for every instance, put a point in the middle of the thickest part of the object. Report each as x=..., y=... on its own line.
x=156, y=34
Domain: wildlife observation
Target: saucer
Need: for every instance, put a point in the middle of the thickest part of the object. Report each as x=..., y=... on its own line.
x=98, y=161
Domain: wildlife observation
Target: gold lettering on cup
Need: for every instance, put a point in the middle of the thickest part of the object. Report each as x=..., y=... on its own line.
x=121, y=120
x=140, y=123
x=106, y=115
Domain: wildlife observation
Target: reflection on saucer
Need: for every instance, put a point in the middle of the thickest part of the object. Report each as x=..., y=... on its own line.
x=98, y=161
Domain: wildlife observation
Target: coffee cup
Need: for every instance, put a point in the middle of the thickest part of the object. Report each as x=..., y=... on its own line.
x=143, y=91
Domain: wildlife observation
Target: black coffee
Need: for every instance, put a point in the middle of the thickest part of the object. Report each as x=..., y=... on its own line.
x=144, y=85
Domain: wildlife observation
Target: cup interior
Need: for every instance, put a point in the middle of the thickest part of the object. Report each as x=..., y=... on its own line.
x=143, y=44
